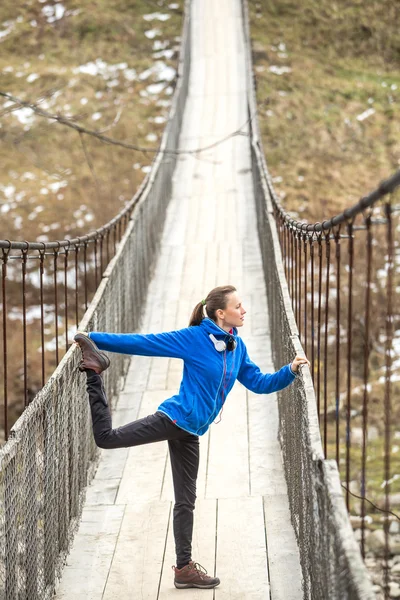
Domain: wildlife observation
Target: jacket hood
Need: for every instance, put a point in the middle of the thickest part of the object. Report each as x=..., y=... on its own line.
x=211, y=327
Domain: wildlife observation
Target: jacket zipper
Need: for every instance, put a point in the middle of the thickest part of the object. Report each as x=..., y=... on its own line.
x=215, y=401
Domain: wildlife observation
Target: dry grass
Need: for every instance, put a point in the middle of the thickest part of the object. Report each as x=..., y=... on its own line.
x=47, y=190
x=322, y=148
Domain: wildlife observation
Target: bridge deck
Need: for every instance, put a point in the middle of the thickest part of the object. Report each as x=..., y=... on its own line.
x=124, y=548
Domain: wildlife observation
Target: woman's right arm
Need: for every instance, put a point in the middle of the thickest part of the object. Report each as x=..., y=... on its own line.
x=172, y=344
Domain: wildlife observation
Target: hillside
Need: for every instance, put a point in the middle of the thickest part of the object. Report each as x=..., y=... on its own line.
x=329, y=72
x=109, y=66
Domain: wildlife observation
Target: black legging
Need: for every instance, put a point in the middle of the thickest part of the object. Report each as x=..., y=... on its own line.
x=183, y=451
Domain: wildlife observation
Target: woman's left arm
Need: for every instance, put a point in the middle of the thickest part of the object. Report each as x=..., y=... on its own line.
x=263, y=383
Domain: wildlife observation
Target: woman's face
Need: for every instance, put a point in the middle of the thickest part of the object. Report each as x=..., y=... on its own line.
x=233, y=314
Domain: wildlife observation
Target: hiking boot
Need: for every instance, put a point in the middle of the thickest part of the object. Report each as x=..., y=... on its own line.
x=92, y=358
x=194, y=576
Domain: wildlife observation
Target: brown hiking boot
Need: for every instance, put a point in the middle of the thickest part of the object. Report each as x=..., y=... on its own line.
x=92, y=358
x=194, y=576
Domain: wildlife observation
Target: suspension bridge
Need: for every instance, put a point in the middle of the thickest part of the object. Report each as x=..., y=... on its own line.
x=271, y=519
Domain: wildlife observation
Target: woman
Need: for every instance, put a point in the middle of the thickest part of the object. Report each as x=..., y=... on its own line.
x=214, y=357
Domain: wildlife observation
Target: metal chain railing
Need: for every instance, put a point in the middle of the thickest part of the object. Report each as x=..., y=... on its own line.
x=330, y=290
x=50, y=455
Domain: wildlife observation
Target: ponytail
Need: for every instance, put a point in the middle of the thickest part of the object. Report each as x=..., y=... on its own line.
x=216, y=299
x=197, y=314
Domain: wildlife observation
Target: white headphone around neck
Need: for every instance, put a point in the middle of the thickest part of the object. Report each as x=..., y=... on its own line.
x=220, y=345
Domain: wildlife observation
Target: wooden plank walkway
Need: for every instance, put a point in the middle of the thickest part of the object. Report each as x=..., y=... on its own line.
x=124, y=548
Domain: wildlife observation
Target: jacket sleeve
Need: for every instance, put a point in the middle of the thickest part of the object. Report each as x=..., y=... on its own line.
x=263, y=383
x=173, y=344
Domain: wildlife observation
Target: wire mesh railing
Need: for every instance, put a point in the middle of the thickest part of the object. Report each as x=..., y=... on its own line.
x=50, y=455
x=312, y=290
x=47, y=287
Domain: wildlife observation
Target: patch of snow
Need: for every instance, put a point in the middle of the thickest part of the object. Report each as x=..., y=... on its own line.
x=41, y=56
x=173, y=6
x=136, y=166
x=4, y=208
x=152, y=33
x=99, y=95
x=91, y=68
x=393, y=86
x=8, y=191
x=44, y=191
x=53, y=12
x=145, y=74
x=159, y=119
x=32, y=77
x=8, y=69
x=367, y=113
x=33, y=23
x=25, y=115
x=155, y=88
x=130, y=74
x=160, y=44
x=96, y=116
x=156, y=17
x=160, y=71
x=392, y=378
x=28, y=175
x=20, y=196
x=18, y=222
x=9, y=26
x=84, y=101
x=146, y=169
x=151, y=137
x=57, y=185
x=100, y=68
x=89, y=217
x=164, y=54
x=164, y=102
x=279, y=70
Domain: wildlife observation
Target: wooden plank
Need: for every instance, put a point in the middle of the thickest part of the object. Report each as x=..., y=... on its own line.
x=86, y=571
x=228, y=466
x=283, y=553
x=139, y=553
x=266, y=468
x=203, y=551
x=144, y=470
x=241, y=550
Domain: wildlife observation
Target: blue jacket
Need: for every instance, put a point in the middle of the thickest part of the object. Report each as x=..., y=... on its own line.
x=208, y=375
